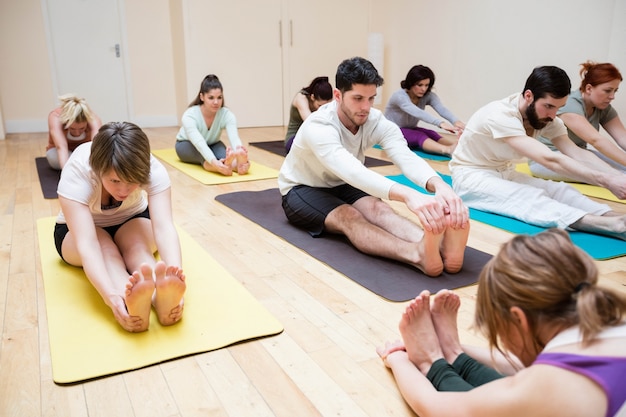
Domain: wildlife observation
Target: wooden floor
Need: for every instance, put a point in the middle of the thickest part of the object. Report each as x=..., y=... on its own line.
x=323, y=364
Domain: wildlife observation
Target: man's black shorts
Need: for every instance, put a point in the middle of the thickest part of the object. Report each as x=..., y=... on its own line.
x=307, y=207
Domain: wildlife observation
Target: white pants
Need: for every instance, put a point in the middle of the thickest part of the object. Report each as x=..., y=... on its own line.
x=532, y=200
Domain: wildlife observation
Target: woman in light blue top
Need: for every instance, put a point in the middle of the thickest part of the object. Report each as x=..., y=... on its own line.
x=406, y=108
x=198, y=141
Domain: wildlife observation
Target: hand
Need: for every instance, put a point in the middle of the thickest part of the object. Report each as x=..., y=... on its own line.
x=457, y=212
x=447, y=126
x=218, y=165
x=128, y=322
x=617, y=185
x=388, y=349
x=428, y=210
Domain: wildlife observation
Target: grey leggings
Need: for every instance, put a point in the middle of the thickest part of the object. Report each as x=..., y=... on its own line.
x=188, y=153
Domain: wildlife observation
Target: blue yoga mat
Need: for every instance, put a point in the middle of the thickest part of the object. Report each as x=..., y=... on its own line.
x=597, y=246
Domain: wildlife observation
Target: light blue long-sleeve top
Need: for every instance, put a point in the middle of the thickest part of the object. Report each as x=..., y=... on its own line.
x=195, y=130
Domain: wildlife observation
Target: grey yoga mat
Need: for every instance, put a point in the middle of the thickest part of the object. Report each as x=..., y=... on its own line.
x=48, y=178
x=392, y=280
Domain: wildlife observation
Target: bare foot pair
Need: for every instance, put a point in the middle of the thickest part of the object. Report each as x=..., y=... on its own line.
x=237, y=159
x=162, y=288
x=428, y=332
x=443, y=252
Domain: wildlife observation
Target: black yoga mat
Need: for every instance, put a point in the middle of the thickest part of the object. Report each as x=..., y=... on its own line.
x=48, y=178
x=392, y=280
x=278, y=147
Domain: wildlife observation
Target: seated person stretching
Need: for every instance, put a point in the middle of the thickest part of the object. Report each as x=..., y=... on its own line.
x=326, y=187
x=498, y=134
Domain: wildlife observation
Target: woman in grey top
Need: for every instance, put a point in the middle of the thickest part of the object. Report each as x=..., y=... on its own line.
x=586, y=110
x=406, y=108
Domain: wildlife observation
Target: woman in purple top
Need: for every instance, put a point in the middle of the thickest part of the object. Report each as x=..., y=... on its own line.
x=406, y=108
x=540, y=307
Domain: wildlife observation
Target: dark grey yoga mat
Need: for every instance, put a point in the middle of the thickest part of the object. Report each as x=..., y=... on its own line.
x=278, y=147
x=48, y=178
x=392, y=280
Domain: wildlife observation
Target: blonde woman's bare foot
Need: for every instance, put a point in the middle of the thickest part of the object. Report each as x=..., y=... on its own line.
x=138, y=299
x=444, y=312
x=170, y=287
x=430, y=262
x=453, y=248
x=418, y=333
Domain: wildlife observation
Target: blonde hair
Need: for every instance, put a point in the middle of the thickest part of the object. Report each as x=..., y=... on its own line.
x=552, y=281
x=73, y=110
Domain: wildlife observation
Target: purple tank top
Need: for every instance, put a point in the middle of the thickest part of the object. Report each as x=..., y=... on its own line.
x=608, y=372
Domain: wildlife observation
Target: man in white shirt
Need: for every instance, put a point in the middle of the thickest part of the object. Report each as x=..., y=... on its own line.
x=504, y=131
x=326, y=187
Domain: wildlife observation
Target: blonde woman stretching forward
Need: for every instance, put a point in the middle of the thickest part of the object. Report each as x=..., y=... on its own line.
x=69, y=125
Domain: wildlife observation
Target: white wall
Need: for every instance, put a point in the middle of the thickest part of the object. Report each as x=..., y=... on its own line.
x=484, y=50
x=480, y=50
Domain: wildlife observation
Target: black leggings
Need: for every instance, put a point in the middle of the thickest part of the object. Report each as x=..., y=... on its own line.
x=464, y=374
x=61, y=229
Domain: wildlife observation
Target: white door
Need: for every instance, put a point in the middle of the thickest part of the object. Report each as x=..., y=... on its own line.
x=87, y=54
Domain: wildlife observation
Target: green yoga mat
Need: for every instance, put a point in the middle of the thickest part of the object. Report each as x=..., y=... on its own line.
x=597, y=246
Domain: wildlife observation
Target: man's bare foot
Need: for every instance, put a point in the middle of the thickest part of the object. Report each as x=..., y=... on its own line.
x=139, y=290
x=453, y=248
x=170, y=287
x=243, y=164
x=444, y=312
x=418, y=333
x=430, y=262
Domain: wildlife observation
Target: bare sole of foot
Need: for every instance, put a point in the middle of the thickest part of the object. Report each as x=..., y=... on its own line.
x=243, y=165
x=170, y=287
x=139, y=292
x=453, y=248
x=431, y=262
x=418, y=333
x=444, y=312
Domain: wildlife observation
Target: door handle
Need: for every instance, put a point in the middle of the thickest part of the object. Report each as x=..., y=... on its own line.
x=117, y=50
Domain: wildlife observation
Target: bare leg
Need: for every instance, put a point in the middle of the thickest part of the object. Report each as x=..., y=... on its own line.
x=170, y=287
x=445, y=146
x=608, y=224
x=139, y=290
x=453, y=248
x=419, y=335
x=444, y=313
x=375, y=240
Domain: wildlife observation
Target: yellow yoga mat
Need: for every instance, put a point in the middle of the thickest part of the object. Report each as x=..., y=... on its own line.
x=86, y=342
x=586, y=189
x=257, y=171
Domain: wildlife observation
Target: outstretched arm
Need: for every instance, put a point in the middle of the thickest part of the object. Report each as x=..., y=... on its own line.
x=584, y=130
x=165, y=234
x=301, y=102
x=592, y=170
x=86, y=251
x=55, y=128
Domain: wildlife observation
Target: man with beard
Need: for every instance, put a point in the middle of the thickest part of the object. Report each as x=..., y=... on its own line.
x=504, y=131
x=327, y=189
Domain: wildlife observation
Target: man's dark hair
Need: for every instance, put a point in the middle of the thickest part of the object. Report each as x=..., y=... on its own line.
x=356, y=70
x=548, y=80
